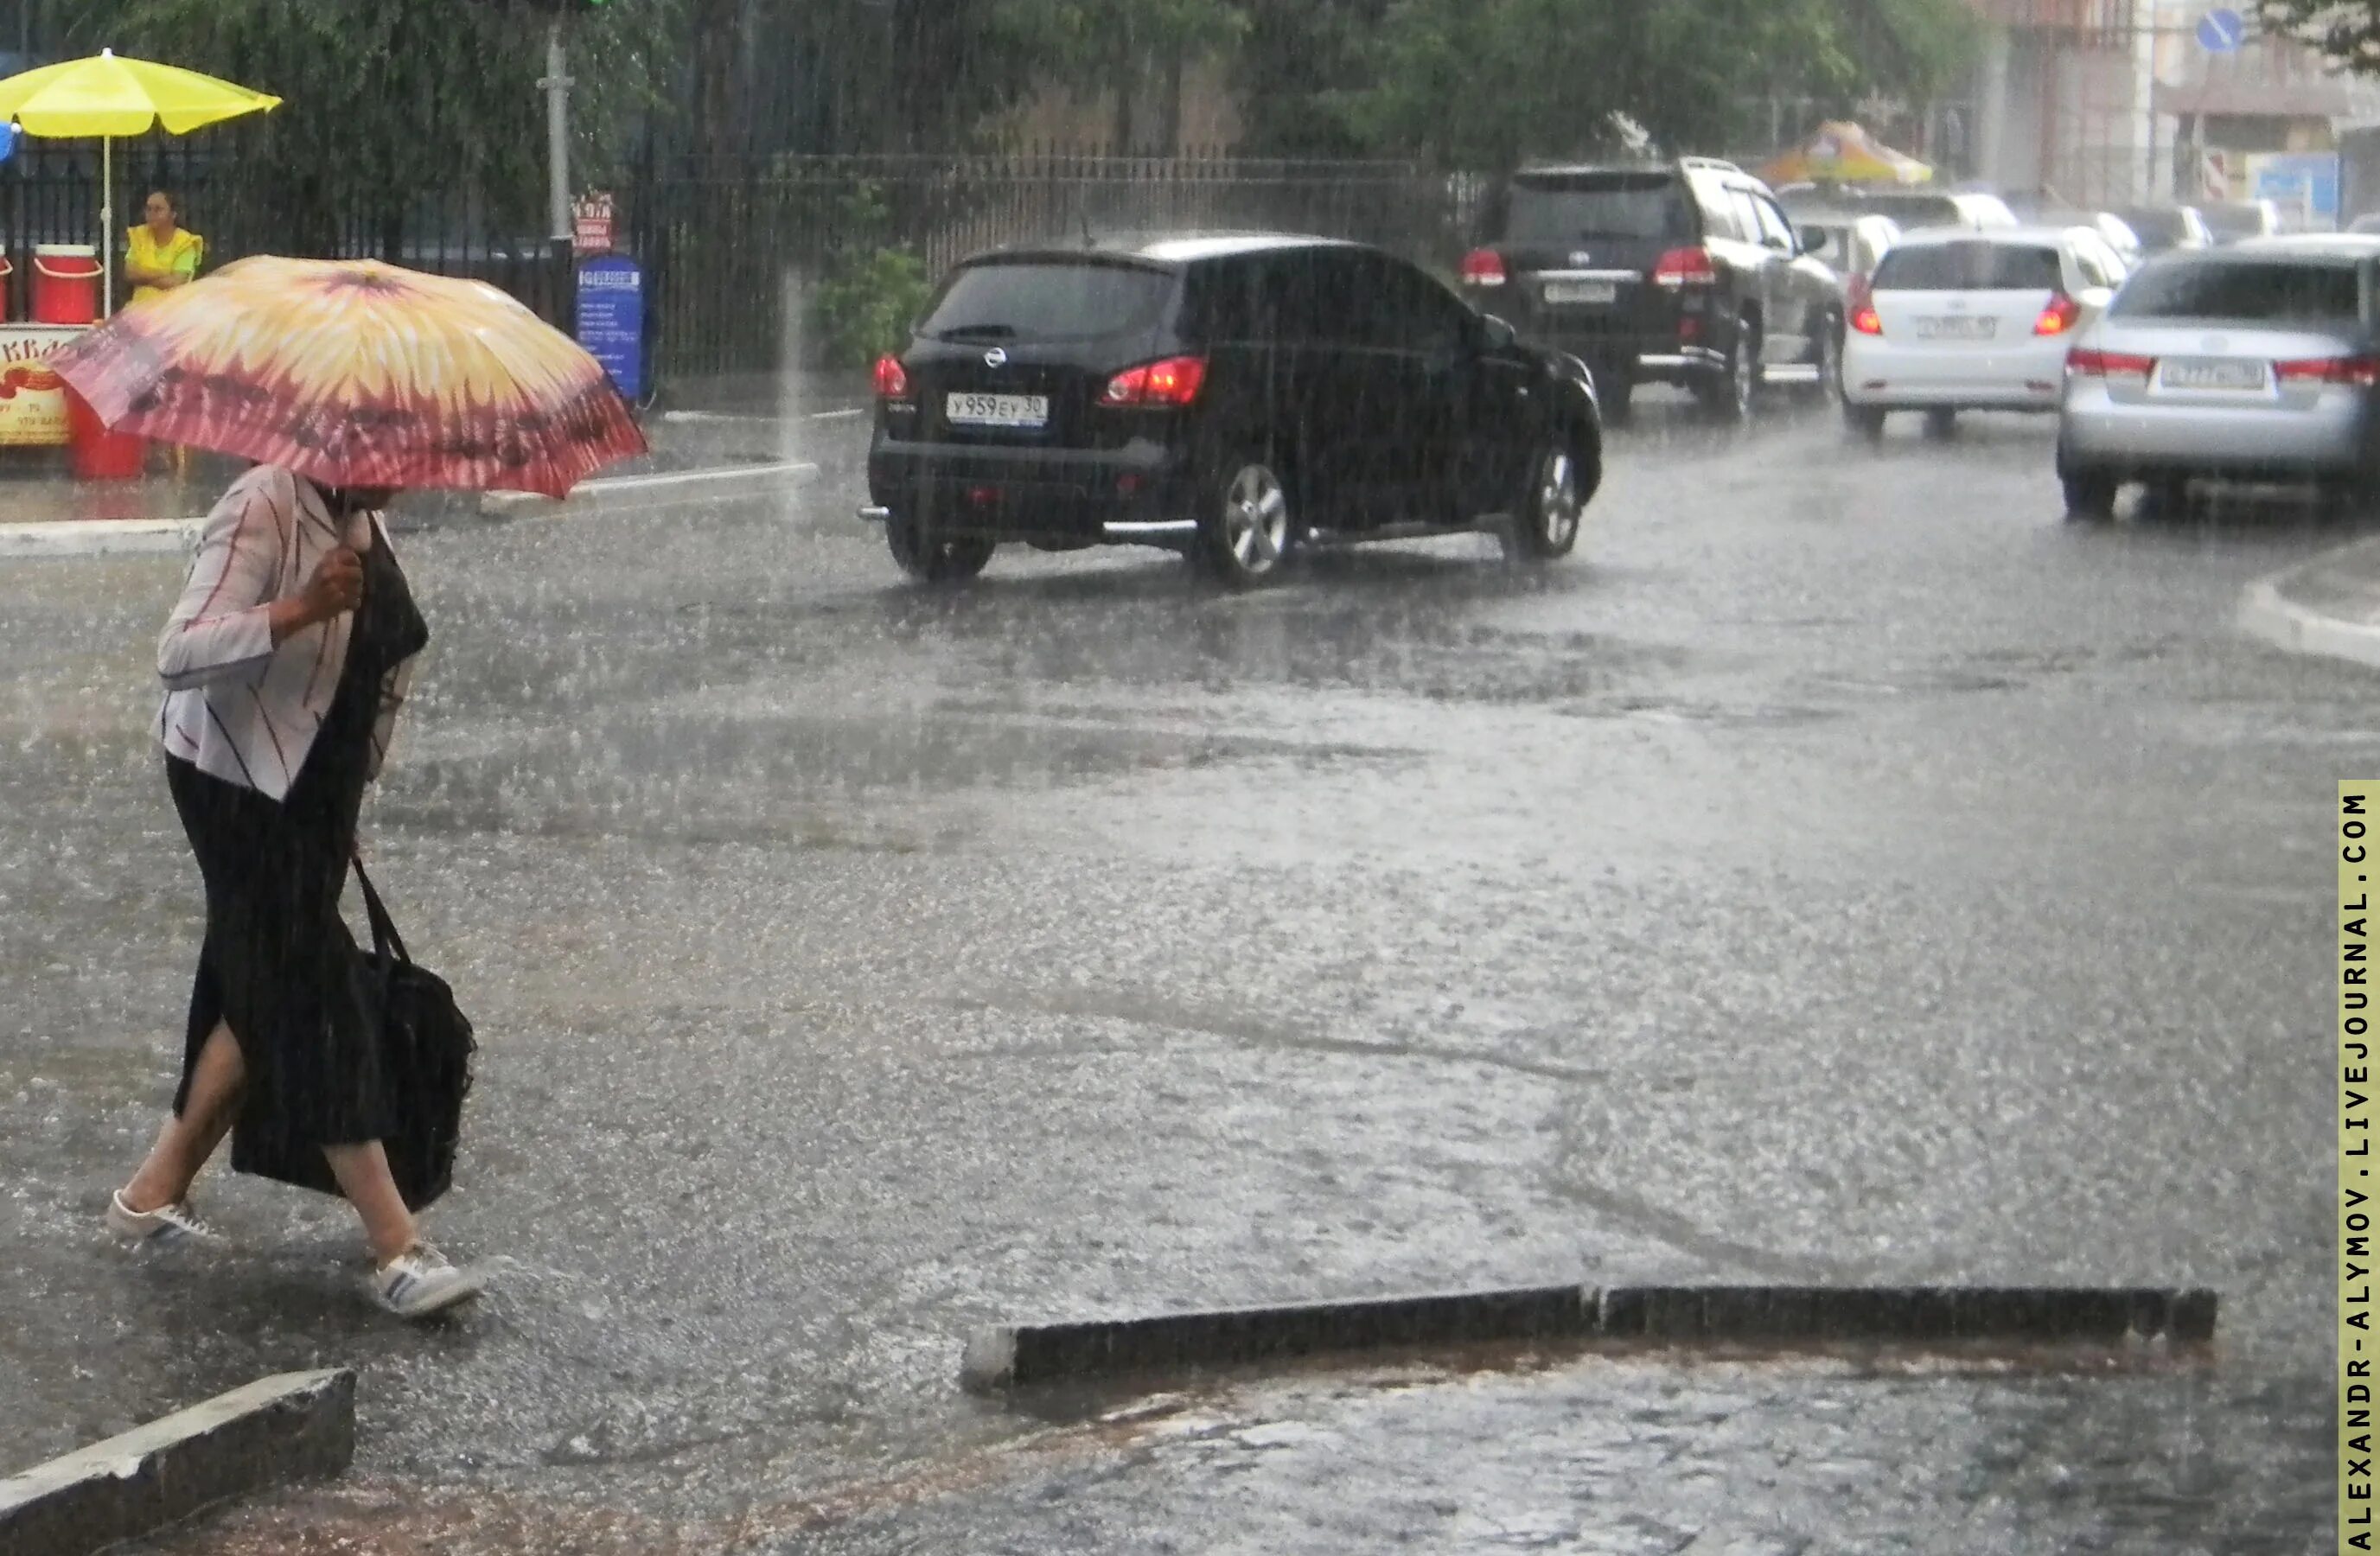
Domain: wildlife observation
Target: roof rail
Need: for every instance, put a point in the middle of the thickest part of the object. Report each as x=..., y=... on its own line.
x=1712, y=165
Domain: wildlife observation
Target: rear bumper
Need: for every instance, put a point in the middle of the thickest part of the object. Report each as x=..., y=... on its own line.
x=2337, y=436
x=1136, y=495
x=1883, y=376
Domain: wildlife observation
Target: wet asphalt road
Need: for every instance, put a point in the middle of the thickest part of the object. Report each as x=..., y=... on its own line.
x=1843, y=870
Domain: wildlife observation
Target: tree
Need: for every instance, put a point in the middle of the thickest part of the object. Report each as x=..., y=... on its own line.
x=1299, y=67
x=1121, y=46
x=389, y=104
x=2347, y=31
x=1485, y=82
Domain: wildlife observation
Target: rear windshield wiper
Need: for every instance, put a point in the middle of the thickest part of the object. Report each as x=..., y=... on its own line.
x=980, y=332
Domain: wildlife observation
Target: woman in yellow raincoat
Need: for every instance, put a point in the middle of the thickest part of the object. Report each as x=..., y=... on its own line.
x=158, y=255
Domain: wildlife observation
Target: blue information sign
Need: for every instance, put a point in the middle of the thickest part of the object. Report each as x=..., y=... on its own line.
x=612, y=319
x=2305, y=182
x=2222, y=31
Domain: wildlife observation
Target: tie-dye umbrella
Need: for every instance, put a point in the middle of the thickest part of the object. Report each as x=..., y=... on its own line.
x=357, y=373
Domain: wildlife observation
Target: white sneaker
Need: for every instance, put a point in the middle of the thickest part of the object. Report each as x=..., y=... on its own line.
x=416, y=1284
x=164, y=1227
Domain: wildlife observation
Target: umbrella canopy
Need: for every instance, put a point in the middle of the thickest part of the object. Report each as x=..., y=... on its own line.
x=110, y=96
x=1845, y=153
x=357, y=373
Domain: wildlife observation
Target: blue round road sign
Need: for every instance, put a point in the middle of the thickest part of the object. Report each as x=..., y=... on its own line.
x=2222, y=31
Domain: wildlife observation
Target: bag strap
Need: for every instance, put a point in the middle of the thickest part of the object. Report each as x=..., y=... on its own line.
x=386, y=942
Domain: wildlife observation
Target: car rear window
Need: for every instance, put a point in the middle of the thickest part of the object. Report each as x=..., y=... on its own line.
x=1564, y=207
x=1047, y=300
x=1971, y=267
x=2167, y=227
x=2262, y=291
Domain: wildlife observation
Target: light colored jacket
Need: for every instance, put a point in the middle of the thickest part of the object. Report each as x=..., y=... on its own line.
x=235, y=706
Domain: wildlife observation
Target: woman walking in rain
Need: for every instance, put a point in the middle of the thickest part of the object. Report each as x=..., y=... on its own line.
x=286, y=661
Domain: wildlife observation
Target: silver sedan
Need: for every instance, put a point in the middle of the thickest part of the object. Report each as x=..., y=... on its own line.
x=2259, y=361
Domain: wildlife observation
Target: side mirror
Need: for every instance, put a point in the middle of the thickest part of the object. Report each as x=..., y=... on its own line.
x=1496, y=334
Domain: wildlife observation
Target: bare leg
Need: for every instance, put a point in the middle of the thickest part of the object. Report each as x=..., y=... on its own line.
x=185, y=1143
x=363, y=1175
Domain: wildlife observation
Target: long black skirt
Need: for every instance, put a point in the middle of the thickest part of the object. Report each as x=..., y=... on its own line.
x=280, y=967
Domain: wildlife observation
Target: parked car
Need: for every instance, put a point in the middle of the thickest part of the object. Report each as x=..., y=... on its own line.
x=1973, y=321
x=2257, y=360
x=1232, y=397
x=1918, y=209
x=1684, y=272
x=2233, y=221
x=2164, y=228
x=2365, y=225
x=1847, y=243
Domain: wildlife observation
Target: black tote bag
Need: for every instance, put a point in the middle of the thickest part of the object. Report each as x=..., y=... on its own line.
x=426, y=1049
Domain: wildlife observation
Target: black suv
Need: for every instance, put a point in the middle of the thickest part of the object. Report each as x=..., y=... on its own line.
x=1684, y=273
x=1232, y=397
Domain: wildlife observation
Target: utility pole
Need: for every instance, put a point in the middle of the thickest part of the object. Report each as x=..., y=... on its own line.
x=557, y=84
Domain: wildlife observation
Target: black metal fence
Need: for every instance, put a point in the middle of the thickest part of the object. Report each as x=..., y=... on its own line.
x=732, y=246
x=50, y=192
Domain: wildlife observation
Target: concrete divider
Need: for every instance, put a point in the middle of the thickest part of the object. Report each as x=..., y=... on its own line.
x=101, y=537
x=1012, y=1356
x=671, y=489
x=297, y=1425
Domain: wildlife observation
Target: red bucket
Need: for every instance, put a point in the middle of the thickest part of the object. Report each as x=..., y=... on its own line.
x=99, y=454
x=66, y=284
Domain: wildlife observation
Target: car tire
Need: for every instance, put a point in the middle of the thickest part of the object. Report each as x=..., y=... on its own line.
x=2169, y=496
x=1553, y=509
x=1612, y=399
x=941, y=560
x=1941, y=423
x=1865, y=421
x=2090, y=494
x=1729, y=395
x=1247, y=522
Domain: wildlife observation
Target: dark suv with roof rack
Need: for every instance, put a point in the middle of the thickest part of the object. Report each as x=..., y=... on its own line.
x=1228, y=395
x=1684, y=272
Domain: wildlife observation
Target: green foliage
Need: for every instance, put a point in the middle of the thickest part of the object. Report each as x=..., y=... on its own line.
x=2347, y=31
x=874, y=290
x=1485, y=82
x=387, y=103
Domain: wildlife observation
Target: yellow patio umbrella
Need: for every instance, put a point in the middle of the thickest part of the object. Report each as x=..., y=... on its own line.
x=109, y=96
x=1845, y=153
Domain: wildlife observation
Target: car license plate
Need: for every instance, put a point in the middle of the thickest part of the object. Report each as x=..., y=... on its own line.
x=1962, y=328
x=1581, y=291
x=2211, y=373
x=997, y=410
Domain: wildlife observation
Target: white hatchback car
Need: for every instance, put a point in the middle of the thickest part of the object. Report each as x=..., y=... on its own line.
x=1973, y=321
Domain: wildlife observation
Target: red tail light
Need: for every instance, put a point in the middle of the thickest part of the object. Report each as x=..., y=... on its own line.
x=891, y=379
x=1868, y=321
x=1172, y=384
x=2360, y=372
x=2081, y=363
x=1685, y=267
x=2062, y=315
x=1483, y=267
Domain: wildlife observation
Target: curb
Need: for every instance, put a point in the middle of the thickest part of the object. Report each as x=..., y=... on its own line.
x=116, y=537
x=2266, y=612
x=101, y=537
x=1017, y=1355
x=291, y=1427
x=632, y=493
